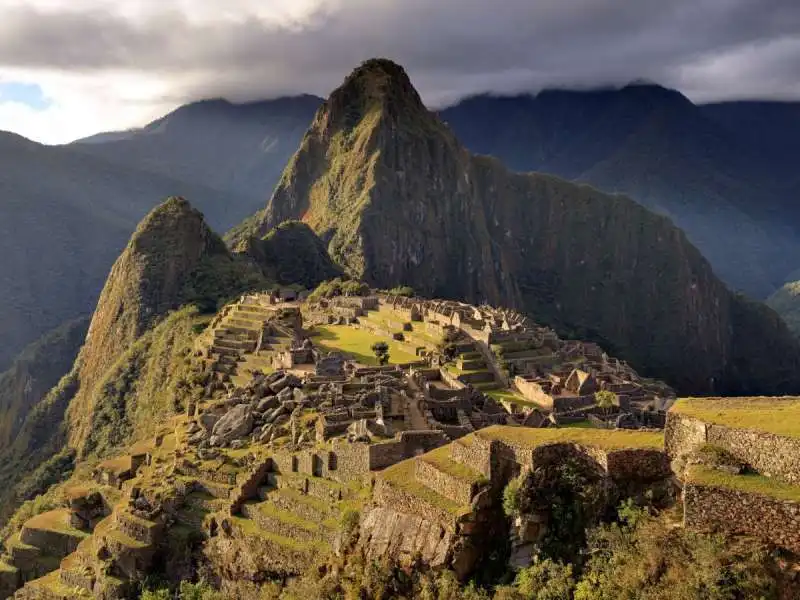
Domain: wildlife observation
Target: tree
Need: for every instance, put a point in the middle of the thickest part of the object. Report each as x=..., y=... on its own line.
x=381, y=351
x=606, y=400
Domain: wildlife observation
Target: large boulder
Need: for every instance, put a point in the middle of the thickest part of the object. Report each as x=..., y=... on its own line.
x=237, y=423
x=268, y=403
x=208, y=421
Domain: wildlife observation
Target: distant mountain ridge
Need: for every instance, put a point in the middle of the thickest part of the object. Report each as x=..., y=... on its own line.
x=398, y=200
x=67, y=211
x=722, y=172
x=720, y=184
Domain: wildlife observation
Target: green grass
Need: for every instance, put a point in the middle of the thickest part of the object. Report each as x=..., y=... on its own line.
x=440, y=458
x=52, y=583
x=780, y=416
x=358, y=344
x=55, y=520
x=401, y=476
x=751, y=484
x=393, y=321
x=600, y=438
x=505, y=395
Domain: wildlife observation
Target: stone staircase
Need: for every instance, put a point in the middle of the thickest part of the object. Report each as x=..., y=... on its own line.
x=296, y=516
x=438, y=484
x=471, y=367
x=235, y=350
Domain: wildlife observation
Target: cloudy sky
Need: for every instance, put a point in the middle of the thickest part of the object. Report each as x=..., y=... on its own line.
x=70, y=68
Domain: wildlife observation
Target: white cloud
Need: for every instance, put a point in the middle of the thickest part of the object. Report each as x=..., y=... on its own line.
x=107, y=64
x=81, y=105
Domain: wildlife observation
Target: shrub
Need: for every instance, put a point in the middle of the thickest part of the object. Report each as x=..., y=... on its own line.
x=381, y=351
x=546, y=580
x=606, y=400
x=402, y=290
x=511, y=497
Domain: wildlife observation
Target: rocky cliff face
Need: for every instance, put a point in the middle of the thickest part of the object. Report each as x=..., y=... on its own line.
x=399, y=200
x=34, y=373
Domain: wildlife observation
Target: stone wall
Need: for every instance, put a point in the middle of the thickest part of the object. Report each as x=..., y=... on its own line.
x=639, y=465
x=386, y=494
x=475, y=452
x=351, y=461
x=56, y=543
x=403, y=536
x=407, y=445
x=450, y=380
x=718, y=509
x=769, y=454
x=562, y=404
x=457, y=489
x=533, y=392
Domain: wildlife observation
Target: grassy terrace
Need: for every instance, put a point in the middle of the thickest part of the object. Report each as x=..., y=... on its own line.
x=401, y=476
x=751, y=484
x=441, y=459
x=358, y=344
x=389, y=319
x=52, y=583
x=268, y=509
x=506, y=395
x=780, y=416
x=248, y=527
x=599, y=438
x=54, y=520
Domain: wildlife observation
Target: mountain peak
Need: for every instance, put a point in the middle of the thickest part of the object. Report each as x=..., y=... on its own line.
x=377, y=85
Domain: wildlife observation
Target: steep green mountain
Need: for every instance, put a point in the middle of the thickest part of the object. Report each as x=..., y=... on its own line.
x=173, y=259
x=399, y=200
x=35, y=372
x=704, y=167
x=64, y=218
x=136, y=365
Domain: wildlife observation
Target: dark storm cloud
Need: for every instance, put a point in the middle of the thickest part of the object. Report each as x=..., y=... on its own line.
x=450, y=47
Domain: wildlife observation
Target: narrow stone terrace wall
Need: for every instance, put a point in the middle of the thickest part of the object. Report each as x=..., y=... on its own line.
x=638, y=465
x=769, y=454
x=718, y=509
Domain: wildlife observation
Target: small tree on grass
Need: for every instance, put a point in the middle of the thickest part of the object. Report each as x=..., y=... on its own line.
x=606, y=400
x=381, y=351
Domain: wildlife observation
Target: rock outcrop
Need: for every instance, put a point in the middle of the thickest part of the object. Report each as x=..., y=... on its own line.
x=400, y=201
x=291, y=253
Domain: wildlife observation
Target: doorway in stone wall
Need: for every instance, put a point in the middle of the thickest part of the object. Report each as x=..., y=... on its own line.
x=316, y=465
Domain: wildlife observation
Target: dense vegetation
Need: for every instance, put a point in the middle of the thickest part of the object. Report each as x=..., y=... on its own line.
x=338, y=287
x=291, y=254
x=640, y=556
